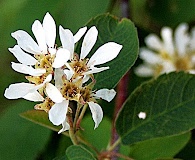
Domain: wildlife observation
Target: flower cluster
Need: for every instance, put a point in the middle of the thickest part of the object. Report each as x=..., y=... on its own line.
x=167, y=55
x=57, y=76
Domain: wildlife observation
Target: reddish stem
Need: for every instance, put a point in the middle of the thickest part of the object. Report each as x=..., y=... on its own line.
x=122, y=93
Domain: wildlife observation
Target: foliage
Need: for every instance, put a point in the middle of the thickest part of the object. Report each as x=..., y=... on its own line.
x=167, y=131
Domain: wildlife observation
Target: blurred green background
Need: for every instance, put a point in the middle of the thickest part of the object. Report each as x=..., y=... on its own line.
x=21, y=139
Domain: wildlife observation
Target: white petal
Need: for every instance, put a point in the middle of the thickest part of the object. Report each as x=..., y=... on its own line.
x=65, y=127
x=62, y=56
x=68, y=73
x=153, y=42
x=50, y=30
x=181, y=38
x=67, y=40
x=18, y=90
x=168, y=67
x=52, y=51
x=54, y=93
x=144, y=71
x=22, y=68
x=48, y=78
x=105, y=53
x=79, y=34
x=192, y=71
x=105, y=94
x=39, y=33
x=34, y=96
x=57, y=113
x=95, y=70
x=150, y=57
x=167, y=37
x=22, y=57
x=26, y=42
x=192, y=41
x=58, y=73
x=85, y=79
x=97, y=113
x=88, y=42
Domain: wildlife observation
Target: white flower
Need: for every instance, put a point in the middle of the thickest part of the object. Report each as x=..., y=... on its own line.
x=45, y=35
x=57, y=113
x=27, y=91
x=68, y=41
x=103, y=54
x=167, y=55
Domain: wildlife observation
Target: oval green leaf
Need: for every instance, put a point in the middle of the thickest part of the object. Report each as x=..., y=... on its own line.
x=123, y=32
x=79, y=153
x=169, y=104
x=159, y=148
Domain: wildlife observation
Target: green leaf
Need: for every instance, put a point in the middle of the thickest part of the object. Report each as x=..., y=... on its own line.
x=93, y=136
x=41, y=118
x=20, y=139
x=165, y=147
x=122, y=32
x=79, y=153
x=169, y=104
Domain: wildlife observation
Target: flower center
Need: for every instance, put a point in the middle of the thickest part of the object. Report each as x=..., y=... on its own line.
x=45, y=61
x=79, y=66
x=45, y=106
x=86, y=93
x=70, y=91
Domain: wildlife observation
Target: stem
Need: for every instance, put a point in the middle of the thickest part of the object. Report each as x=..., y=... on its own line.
x=71, y=130
x=81, y=116
x=76, y=116
x=114, y=145
x=122, y=89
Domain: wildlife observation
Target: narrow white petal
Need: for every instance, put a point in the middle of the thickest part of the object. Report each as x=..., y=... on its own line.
x=65, y=127
x=57, y=113
x=85, y=79
x=95, y=70
x=144, y=71
x=67, y=40
x=168, y=67
x=62, y=56
x=26, y=42
x=88, y=41
x=22, y=57
x=50, y=30
x=68, y=73
x=18, y=90
x=97, y=113
x=39, y=33
x=79, y=34
x=52, y=51
x=149, y=56
x=106, y=94
x=153, y=42
x=192, y=71
x=22, y=68
x=53, y=93
x=181, y=38
x=192, y=41
x=48, y=78
x=34, y=96
x=167, y=37
x=105, y=53
x=58, y=73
